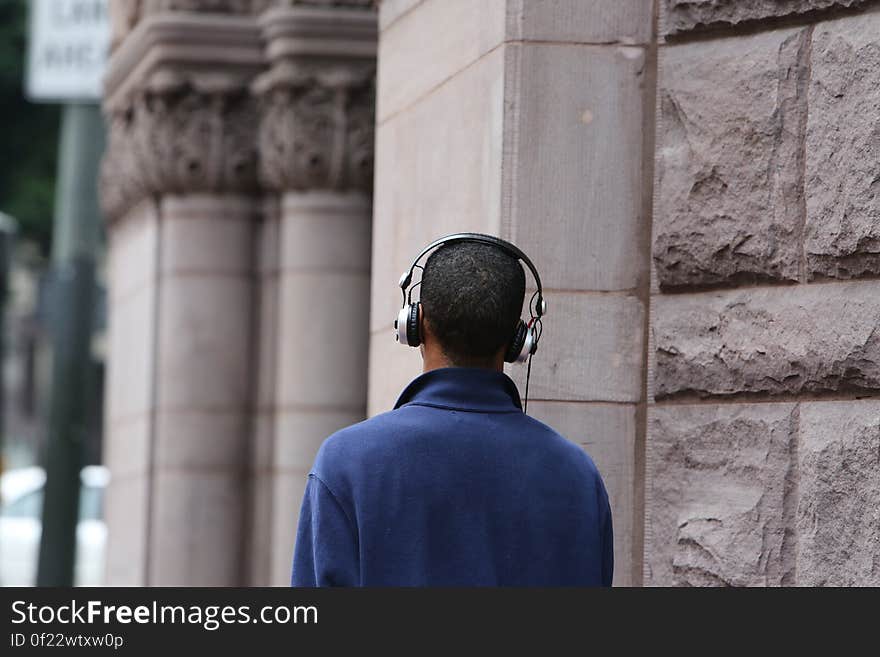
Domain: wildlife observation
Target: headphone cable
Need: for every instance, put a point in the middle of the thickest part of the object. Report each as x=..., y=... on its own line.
x=539, y=326
x=528, y=376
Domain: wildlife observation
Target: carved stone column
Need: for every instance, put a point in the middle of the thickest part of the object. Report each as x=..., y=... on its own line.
x=316, y=153
x=179, y=187
x=240, y=152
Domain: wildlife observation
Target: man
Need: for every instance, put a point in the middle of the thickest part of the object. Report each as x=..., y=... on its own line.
x=456, y=486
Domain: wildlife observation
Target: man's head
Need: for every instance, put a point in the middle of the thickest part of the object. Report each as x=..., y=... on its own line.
x=472, y=297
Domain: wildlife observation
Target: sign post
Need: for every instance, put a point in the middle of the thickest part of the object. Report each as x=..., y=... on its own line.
x=67, y=52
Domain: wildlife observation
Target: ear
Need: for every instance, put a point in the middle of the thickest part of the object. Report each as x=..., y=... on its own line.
x=422, y=322
x=424, y=334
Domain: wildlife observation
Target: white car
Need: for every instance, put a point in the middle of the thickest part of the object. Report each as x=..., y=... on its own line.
x=21, y=526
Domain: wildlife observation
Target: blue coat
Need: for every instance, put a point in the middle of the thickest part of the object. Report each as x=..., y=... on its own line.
x=454, y=487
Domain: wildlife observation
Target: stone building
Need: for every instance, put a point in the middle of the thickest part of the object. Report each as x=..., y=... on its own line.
x=697, y=182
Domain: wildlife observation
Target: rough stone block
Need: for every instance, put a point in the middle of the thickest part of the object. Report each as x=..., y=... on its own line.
x=573, y=167
x=729, y=159
x=432, y=43
x=838, y=513
x=576, y=21
x=591, y=350
x=809, y=338
x=607, y=433
x=684, y=15
x=718, y=495
x=843, y=142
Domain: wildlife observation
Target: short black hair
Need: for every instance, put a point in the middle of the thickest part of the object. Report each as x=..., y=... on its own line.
x=472, y=296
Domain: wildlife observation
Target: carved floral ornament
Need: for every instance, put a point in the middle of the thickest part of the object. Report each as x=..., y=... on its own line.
x=317, y=125
x=180, y=133
x=306, y=122
x=305, y=126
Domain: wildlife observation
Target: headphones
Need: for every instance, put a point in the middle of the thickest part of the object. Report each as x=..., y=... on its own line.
x=525, y=337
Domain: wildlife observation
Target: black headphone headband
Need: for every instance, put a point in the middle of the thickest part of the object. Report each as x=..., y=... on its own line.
x=483, y=239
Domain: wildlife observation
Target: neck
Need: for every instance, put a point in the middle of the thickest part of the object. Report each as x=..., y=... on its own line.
x=433, y=359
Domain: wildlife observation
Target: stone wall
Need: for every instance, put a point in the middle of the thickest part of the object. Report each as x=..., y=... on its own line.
x=697, y=182
x=763, y=439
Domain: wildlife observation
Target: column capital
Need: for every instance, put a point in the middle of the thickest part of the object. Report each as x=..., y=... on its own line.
x=179, y=112
x=228, y=95
x=179, y=134
x=316, y=129
x=318, y=96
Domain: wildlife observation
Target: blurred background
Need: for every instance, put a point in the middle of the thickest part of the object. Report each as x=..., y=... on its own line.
x=52, y=280
x=207, y=204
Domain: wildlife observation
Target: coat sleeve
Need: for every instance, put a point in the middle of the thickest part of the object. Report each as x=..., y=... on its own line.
x=326, y=552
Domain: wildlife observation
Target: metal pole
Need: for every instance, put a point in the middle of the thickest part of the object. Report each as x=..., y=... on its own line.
x=7, y=236
x=75, y=239
x=8, y=228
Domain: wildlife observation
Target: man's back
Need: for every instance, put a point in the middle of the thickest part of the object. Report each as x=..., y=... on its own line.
x=455, y=487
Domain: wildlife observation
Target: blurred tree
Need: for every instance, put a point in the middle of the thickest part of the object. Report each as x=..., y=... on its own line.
x=30, y=136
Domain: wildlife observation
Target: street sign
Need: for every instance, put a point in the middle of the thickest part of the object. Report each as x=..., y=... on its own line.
x=67, y=50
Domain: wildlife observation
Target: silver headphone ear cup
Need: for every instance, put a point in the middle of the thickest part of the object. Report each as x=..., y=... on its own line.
x=400, y=325
x=528, y=345
x=516, y=344
x=413, y=337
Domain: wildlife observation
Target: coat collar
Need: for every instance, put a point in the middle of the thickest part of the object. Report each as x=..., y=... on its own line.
x=463, y=388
